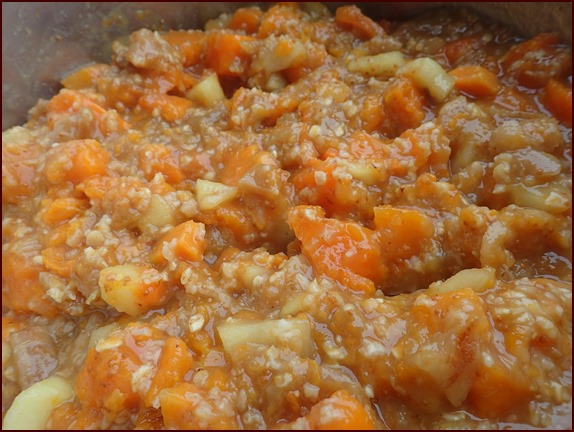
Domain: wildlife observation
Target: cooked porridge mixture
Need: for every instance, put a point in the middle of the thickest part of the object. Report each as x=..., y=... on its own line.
x=295, y=219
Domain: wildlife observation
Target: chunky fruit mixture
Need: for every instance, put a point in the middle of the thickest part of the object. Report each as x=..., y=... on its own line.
x=295, y=219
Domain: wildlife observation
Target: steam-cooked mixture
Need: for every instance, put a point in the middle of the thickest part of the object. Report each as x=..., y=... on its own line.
x=295, y=220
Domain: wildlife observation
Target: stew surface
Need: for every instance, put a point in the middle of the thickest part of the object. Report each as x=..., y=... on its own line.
x=295, y=219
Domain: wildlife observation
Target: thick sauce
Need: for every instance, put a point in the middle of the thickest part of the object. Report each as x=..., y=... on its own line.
x=295, y=220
